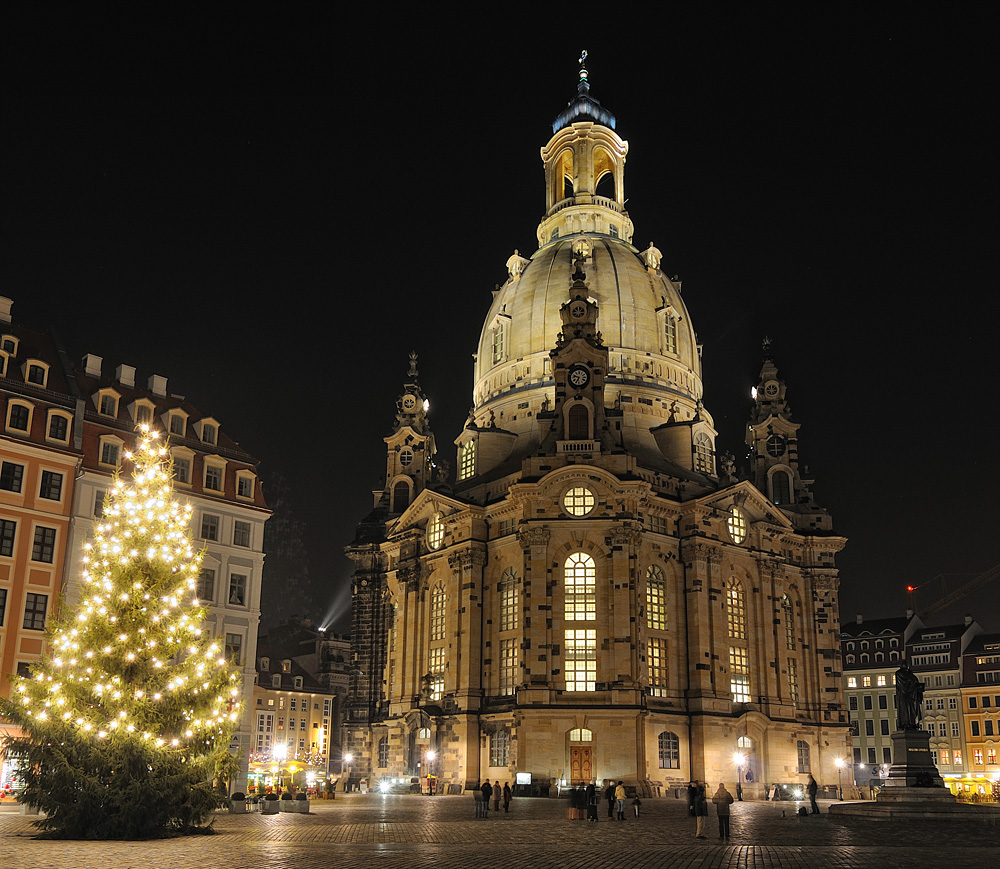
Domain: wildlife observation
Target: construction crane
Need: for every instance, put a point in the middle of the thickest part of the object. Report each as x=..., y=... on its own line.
x=959, y=592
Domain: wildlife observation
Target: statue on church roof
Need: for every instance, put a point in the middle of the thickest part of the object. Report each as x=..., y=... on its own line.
x=516, y=264
x=652, y=256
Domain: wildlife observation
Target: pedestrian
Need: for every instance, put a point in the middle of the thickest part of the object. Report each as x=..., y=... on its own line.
x=487, y=796
x=700, y=812
x=497, y=795
x=723, y=800
x=636, y=804
x=620, y=800
x=477, y=795
x=508, y=794
x=592, y=803
x=692, y=796
x=811, y=788
x=609, y=795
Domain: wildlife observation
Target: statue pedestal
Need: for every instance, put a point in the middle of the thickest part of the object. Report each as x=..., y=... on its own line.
x=912, y=766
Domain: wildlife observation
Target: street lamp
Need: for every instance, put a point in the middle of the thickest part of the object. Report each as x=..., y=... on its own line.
x=739, y=759
x=347, y=759
x=840, y=783
x=430, y=755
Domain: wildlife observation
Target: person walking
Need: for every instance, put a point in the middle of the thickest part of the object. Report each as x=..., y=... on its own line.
x=477, y=795
x=700, y=812
x=609, y=795
x=723, y=800
x=591, y=803
x=487, y=790
x=636, y=805
x=497, y=795
x=508, y=794
x=811, y=789
x=620, y=800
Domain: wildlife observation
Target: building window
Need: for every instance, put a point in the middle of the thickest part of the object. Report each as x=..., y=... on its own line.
x=209, y=527
x=178, y=424
x=18, y=417
x=866, y=681
x=852, y=681
x=656, y=657
x=508, y=600
x=581, y=588
x=108, y=405
x=703, y=462
x=182, y=470
x=44, y=546
x=58, y=428
x=143, y=414
x=975, y=727
x=793, y=681
x=383, y=752
x=34, y=611
x=780, y=488
x=237, y=589
x=8, y=529
x=435, y=531
x=883, y=701
x=880, y=681
x=508, y=666
x=241, y=533
x=736, y=612
x=581, y=660
x=852, y=702
x=205, y=589
x=884, y=726
x=213, y=477
x=498, y=343
x=869, y=727
x=669, y=750
x=438, y=613
x=437, y=674
x=786, y=610
x=871, y=756
x=244, y=486
x=977, y=753
x=99, y=503
x=739, y=674
x=467, y=460
x=499, y=748
x=208, y=433
x=737, y=525
x=656, y=599
x=802, y=751
x=578, y=501
x=110, y=451
x=11, y=476
x=669, y=334
x=234, y=648
x=51, y=487
x=3, y=606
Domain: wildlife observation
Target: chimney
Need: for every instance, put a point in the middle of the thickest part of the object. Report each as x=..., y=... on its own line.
x=859, y=618
x=125, y=375
x=157, y=385
x=5, y=305
x=909, y=613
x=92, y=365
x=968, y=620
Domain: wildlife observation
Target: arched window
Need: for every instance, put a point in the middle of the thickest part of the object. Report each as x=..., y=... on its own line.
x=739, y=656
x=578, y=422
x=656, y=599
x=400, y=497
x=438, y=612
x=581, y=588
x=581, y=734
x=669, y=334
x=499, y=748
x=508, y=600
x=780, y=488
x=802, y=749
x=669, y=750
x=787, y=615
x=703, y=455
x=383, y=752
x=736, y=610
x=467, y=460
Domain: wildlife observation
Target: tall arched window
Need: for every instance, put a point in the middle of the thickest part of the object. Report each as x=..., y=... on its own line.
x=400, y=497
x=669, y=334
x=508, y=600
x=467, y=460
x=383, y=752
x=802, y=750
x=578, y=422
x=581, y=588
x=438, y=612
x=739, y=656
x=780, y=488
x=703, y=454
x=788, y=617
x=499, y=748
x=669, y=750
x=656, y=599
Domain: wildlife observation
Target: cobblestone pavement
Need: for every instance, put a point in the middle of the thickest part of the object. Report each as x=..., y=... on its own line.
x=396, y=831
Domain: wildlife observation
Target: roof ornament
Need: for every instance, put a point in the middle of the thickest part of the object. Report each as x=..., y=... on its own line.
x=516, y=264
x=584, y=84
x=413, y=364
x=652, y=256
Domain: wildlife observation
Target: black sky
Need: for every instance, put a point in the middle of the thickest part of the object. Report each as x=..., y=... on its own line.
x=272, y=208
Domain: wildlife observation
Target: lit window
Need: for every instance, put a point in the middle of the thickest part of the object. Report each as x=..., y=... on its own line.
x=498, y=343
x=581, y=588
x=977, y=756
x=736, y=611
x=669, y=334
x=739, y=674
x=581, y=660
x=435, y=531
x=656, y=659
x=508, y=666
x=880, y=681
x=793, y=681
x=656, y=599
x=737, y=525
x=437, y=674
x=669, y=750
x=438, y=613
x=467, y=460
x=787, y=613
x=866, y=681
x=508, y=600
x=578, y=501
x=852, y=681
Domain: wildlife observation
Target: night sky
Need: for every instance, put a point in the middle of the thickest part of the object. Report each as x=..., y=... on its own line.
x=272, y=208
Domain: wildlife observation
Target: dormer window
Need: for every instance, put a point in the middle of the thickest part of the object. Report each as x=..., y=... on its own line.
x=276, y=680
x=215, y=475
x=8, y=343
x=208, y=431
x=142, y=411
x=19, y=416
x=37, y=372
x=286, y=666
x=3, y=364
x=466, y=460
x=107, y=402
x=177, y=423
x=298, y=683
x=245, y=483
x=59, y=426
x=703, y=454
x=265, y=663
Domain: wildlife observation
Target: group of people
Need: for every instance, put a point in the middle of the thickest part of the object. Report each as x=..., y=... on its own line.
x=698, y=807
x=487, y=792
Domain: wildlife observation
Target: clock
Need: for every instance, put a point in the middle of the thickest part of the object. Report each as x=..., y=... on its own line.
x=578, y=310
x=770, y=389
x=409, y=401
x=579, y=376
x=775, y=446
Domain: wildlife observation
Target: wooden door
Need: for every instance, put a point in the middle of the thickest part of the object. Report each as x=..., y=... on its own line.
x=581, y=765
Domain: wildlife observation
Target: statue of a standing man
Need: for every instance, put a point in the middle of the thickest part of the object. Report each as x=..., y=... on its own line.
x=909, y=699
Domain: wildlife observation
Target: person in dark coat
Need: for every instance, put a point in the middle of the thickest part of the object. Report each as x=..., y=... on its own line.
x=592, y=803
x=811, y=789
x=609, y=795
x=723, y=800
x=497, y=795
x=487, y=790
x=508, y=795
x=700, y=812
x=692, y=795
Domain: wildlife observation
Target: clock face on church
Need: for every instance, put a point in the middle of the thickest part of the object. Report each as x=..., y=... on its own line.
x=579, y=376
x=409, y=401
x=577, y=310
x=770, y=389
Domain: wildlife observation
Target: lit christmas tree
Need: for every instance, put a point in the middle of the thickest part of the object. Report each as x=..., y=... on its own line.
x=127, y=716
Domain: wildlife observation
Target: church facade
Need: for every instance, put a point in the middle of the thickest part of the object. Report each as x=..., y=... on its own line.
x=597, y=594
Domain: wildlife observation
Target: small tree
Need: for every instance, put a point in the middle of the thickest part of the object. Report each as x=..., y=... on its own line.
x=125, y=719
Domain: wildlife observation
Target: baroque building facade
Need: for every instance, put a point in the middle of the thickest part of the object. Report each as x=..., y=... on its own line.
x=598, y=594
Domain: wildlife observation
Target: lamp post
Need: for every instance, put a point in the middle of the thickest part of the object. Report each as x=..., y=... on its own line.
x=739, y=759
x=347, y=759
x=429, y=756
x=840, y=783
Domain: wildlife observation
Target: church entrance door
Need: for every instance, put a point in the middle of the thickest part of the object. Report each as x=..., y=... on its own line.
x=581, y=765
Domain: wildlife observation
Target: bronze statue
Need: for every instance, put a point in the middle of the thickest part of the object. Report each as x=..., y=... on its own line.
x=909, y=699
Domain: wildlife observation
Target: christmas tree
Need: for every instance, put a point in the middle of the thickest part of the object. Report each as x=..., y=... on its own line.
x=128, y=714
